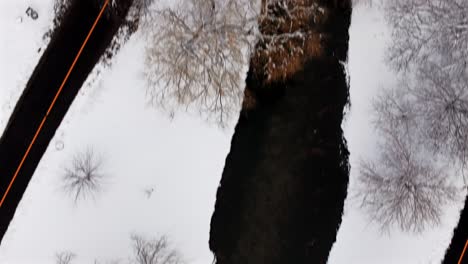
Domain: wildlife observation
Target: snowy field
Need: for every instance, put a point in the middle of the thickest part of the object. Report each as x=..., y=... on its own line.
x=181, y=159
x=357, y=240
x=21, y=38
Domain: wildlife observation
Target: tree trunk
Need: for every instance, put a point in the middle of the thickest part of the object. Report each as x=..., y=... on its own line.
x=459, y=239
x=41, y=89
x=285, y=179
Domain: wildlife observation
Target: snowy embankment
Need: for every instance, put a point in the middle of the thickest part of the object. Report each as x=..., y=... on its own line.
x=359, y=241
x=21, y=46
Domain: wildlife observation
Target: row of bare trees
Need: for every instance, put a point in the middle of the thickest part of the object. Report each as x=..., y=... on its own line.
x=423, y=122
x=145, y=251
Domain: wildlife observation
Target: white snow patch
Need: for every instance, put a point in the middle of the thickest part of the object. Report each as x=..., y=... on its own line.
x=21, y=38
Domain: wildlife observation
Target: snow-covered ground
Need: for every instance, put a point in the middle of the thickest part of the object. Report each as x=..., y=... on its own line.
x=357, y=240
x=181, y=159
x=20, y=39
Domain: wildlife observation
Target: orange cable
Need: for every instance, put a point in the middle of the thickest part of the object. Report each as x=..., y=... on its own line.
x=53, y=102
x=463, y=252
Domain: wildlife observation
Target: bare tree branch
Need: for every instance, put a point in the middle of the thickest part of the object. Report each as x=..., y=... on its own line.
x=442, y=102
x=430, y=47
x=409, y=183
x=83, y=177
x=155, y=251
x=428, y=30
x=405, y=187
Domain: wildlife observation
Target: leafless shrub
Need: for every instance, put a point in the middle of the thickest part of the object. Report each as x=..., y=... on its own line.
x=64, y=257
x=394, y=110
x=83, y=177
x=155, y=251
x=409, y=182
x=405, y=187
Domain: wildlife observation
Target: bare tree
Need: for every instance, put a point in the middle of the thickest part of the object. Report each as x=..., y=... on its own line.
x=428, y=30
x=442, y=103
x=64, y=257
x=430, y=47
x=196, y=56
x=83, y=177
x=198, y=52
x=409, y=183
x=405, y=187
x=394, y=110
x=155, y=251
